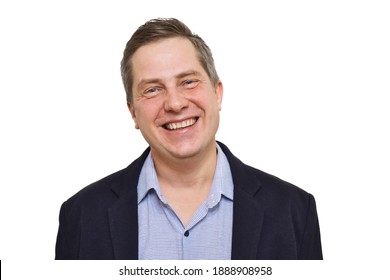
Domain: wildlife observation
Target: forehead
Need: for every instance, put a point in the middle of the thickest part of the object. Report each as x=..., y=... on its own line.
x=165, y=58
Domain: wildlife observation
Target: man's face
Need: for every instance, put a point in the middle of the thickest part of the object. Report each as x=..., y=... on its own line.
x=174, y=103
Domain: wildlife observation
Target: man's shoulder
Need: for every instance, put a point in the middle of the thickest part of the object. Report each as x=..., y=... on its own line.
x=99, y=187
x=273, y=184
x=96, y=195
x=262, y=185
x=280, y=197
x=109, y=188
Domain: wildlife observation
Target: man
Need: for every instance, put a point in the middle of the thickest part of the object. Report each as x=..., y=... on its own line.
x=187, y=196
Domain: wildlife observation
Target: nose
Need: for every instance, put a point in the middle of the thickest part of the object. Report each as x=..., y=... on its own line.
x=175, y=101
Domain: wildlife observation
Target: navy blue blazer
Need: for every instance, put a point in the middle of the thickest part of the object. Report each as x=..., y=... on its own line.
x=272, y=219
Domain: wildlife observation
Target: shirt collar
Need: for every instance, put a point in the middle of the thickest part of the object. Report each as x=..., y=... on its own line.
x=222, y=183
x=148, y=180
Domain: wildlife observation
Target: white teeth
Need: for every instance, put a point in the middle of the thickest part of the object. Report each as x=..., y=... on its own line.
x=183, y=124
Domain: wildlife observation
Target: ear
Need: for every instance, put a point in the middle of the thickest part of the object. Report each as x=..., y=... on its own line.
x=132, y=112
x=219, y=93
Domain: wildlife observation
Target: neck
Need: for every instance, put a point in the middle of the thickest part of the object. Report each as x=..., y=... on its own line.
x=192, y=172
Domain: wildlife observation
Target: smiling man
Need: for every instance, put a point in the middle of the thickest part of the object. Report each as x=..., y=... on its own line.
x=187, y=196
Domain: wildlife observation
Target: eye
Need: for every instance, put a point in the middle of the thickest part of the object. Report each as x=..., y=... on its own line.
x=152, y=91
x=190, y=83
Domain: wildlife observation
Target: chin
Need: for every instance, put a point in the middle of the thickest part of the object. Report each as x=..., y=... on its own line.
x=185, y=152
x=188, y=150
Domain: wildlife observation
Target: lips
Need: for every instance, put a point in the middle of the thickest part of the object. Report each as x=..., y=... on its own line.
x=180, y=124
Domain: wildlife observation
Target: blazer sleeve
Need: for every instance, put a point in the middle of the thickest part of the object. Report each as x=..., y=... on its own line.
x=60, y=247
x=66, y=239
x=311, y=242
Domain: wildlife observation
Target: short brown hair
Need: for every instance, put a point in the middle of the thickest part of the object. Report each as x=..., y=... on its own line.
x=163, y=28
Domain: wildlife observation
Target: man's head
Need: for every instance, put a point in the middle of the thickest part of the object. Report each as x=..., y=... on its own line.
x=174, y=94
x=158, y=29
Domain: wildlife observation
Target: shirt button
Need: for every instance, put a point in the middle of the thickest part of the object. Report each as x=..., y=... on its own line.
x=186, y=233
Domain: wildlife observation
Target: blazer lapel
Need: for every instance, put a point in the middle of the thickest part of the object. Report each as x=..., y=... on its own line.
x=247, y=226
x=123, y=215
x=247, y=211
x=123, y=219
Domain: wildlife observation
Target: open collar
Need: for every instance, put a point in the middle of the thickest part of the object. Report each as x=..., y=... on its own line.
x=247, y=211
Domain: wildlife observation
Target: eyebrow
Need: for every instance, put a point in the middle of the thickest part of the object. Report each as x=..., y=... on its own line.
x=188, y=73
x=178, y=76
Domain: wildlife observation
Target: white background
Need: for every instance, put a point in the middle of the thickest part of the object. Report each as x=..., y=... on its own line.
x=306, y=99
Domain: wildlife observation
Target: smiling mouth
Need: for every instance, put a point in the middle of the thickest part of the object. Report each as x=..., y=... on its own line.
x=180, y=125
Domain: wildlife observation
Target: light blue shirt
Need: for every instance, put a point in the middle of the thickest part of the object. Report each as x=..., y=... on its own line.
x=209, y=233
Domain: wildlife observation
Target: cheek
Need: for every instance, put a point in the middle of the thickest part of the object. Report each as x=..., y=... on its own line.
x=142, y=117
x=146, y=114
x=213, y=103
